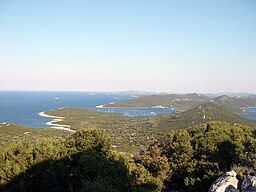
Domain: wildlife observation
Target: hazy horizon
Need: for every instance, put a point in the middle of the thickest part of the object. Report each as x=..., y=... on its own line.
x=157, y=46
x=134, y=91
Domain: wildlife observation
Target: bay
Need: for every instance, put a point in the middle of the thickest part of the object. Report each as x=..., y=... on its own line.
x=249, y=112
x=134, y=112
x=22, y=107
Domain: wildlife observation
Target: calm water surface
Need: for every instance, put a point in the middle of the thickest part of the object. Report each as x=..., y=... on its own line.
x=247, y=112
x=22, y=107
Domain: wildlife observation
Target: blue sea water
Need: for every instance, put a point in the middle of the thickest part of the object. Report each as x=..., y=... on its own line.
x=22, y=107
x=132, y=112
x=249, y=116
x=249, y=112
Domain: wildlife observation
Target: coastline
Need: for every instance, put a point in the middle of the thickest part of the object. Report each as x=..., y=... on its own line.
x=248, y=107
x=53, y=122
x=248, y=112
x=104, y=107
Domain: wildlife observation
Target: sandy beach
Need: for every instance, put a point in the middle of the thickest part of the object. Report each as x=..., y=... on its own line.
x=54, y=124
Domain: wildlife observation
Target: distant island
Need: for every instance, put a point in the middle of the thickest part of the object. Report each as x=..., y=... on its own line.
x=188, y=101
x=91, y=150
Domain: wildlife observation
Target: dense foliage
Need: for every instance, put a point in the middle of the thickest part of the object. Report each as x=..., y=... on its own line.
x=130, y=133
x=196, y=156
x=198, y=115
x=127, y=133
x=12, y=133
x=83, y=162
x=185, y=160
x=179, y=102
x=187, y=101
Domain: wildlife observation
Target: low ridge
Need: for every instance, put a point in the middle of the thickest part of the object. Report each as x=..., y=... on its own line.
x=204, y=113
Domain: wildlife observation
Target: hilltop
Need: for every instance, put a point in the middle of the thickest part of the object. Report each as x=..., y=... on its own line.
x=187, y=101
x=177, y=101
x=200, y=114
x=234, y=104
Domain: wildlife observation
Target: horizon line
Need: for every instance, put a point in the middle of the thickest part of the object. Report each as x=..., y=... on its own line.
x=116, y=91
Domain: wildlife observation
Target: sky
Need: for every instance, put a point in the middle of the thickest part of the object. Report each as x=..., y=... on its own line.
x=117, y=45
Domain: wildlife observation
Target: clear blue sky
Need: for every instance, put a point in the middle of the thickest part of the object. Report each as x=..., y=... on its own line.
x=160, y=45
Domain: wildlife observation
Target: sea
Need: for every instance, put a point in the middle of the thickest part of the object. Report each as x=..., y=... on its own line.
x=249, y=112
x=22, y=107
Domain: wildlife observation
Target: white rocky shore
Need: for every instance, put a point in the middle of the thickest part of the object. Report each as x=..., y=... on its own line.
x=54, y=123
x=229, y=183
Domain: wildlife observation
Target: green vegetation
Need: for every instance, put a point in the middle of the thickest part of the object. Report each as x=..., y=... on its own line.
x=11, y=133
x=201, y=114
x=182, y=151
x=185, y=160
x=197, y=155
x=179, y=102
x=83, y=162
x=131, y=133
x=127, y=133
x=187, y=101
x=234, y=104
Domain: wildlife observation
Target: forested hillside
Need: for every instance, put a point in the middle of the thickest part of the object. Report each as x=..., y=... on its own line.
x=83, y=162
x=130, y=133
x=198, y=155
x=185, y=160
x=179, y=102
x=187, y=101
x=11, y=133
x=201, y=114
x=234, y=104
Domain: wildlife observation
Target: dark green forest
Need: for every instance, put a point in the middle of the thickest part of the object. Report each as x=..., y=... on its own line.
x=184, y=160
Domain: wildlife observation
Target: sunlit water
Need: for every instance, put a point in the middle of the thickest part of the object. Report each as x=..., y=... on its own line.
x=22, y=107
x=249, y=112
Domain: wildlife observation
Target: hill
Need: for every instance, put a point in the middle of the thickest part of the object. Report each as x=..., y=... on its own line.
x=129, y=133
x=234, y=104
x=185, y=160
x=85, y=161
x=179, y=102
x=200, y=154
x=125, y=132
x=187, y=101
x=134, y=93
x=11, y=133
x=201, y=114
